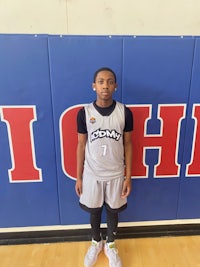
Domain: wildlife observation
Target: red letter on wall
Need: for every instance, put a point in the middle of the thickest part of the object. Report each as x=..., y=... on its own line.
x=193, y=168
x=166, y=142
x=19, y=121
x=68, y=140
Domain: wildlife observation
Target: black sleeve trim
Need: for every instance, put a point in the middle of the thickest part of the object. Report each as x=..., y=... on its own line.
x=128, y=120
x=81, y=122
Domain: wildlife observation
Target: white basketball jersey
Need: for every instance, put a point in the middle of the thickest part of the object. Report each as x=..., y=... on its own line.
x=104, y=154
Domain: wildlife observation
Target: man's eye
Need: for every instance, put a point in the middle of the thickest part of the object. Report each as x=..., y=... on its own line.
x=111, y=82
x=100, y=82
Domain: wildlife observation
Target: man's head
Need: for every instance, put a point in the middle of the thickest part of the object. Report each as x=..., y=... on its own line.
x=104, y=84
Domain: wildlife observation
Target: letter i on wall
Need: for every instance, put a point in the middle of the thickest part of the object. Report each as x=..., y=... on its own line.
x=19, y=120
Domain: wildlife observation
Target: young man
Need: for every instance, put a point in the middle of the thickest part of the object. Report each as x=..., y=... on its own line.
x=104, y=155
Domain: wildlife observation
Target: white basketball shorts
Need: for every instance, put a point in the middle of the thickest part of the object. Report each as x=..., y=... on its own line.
x=96, y=192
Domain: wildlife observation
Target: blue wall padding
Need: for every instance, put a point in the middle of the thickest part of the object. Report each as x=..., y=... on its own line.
x=55, y=74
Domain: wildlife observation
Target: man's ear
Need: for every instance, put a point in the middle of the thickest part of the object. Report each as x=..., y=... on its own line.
x=93, y=86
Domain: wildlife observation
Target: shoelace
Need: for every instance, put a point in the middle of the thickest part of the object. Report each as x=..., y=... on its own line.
x=113, y=253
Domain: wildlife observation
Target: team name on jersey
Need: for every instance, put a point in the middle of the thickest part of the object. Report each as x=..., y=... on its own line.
x=99, y=133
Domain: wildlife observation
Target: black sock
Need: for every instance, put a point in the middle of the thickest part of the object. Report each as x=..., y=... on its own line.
x=95, y=221
x=112, y=223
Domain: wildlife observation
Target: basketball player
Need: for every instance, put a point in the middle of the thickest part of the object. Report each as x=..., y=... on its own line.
x=104, y=154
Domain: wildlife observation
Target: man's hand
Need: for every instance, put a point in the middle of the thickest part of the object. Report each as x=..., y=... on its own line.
x=126, y=189
x=78, y=187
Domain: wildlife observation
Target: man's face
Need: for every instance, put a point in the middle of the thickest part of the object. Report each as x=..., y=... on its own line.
x=104, y=85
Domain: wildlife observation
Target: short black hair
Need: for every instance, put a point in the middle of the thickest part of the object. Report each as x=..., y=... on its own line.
x=104, y=69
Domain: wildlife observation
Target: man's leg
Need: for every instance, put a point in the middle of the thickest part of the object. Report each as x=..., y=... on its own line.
x=110, y=247
x=112, y=223
x=97, y=244
x=95, y=221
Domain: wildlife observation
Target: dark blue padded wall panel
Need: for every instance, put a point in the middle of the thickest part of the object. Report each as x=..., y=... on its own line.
x=156, y=71
x=190, y=183
x=73, y=61
x=25, y=82
x=49, y=78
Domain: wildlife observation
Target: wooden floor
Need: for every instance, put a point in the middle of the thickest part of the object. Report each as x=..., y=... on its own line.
x=140, y=252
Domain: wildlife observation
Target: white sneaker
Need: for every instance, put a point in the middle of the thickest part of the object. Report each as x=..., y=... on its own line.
x=92, y=253
x=112, y=255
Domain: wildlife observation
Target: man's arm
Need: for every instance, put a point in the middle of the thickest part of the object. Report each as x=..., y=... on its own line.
x=128, y=163
x=80, y=156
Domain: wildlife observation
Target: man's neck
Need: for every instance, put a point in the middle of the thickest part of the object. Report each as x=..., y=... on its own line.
x=104, y=104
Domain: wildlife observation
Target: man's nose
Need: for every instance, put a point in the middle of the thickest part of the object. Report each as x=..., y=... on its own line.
x=106, y=84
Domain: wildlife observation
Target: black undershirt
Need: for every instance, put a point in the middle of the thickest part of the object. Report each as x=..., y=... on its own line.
x=81, y=123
